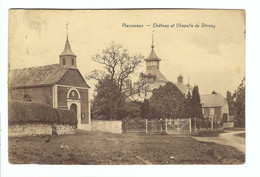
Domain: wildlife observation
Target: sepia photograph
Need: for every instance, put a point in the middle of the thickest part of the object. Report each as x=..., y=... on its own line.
x=126, y=86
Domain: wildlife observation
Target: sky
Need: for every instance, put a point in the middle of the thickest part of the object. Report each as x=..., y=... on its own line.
x=211, y=56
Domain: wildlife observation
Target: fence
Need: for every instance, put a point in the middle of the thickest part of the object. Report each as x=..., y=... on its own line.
x=170, y=126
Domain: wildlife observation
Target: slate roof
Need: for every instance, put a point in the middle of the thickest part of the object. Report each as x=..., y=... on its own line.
x=36, y=76
x=67, y=49
x=184, y=88
x=158, y=75
x=152, y=56
x=213, y=100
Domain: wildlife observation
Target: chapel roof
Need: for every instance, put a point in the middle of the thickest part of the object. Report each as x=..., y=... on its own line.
x=37, y=76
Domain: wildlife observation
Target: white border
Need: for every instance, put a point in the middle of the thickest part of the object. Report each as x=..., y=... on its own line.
x=251, y=168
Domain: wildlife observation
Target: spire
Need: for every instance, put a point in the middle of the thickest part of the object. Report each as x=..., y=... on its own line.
x=67, y=49
x=152, y=56
x=152, y=42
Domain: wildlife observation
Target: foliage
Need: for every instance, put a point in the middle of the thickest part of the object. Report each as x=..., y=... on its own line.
x=195, y=108
x=28, y=112
x=137, y=125
x=114, y=85
x=168, y=102
x=66, y=116
x=231, y=103
x=188, y=106
x=107, y=101
x=239, y=97
x=145, y=109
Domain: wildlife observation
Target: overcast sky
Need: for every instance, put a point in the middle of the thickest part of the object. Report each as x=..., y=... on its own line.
x=213, y=58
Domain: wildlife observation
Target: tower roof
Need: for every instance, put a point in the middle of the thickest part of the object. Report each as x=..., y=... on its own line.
x=67, y=49
x=152, y=56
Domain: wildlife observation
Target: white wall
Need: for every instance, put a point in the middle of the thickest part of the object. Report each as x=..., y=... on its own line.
x=107, y=126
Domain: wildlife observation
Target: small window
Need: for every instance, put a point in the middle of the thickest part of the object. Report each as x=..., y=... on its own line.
x=72, y=61
x=64, y=61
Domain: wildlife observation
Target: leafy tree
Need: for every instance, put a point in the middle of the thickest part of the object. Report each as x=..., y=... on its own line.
x=106, y=100
x=188, y=106
x=113, y=88
x=239, y=97
x=145, y=110
x=196, y=108
x=231, y=103
x=168, y=102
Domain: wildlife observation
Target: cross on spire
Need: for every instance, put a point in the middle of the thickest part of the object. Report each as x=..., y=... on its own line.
x=67, y=28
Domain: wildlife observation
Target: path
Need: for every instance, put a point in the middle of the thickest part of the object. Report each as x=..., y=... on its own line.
x=227, y=138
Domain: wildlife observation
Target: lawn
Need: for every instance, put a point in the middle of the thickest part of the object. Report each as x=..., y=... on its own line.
x=107, y=148
x=243, y=135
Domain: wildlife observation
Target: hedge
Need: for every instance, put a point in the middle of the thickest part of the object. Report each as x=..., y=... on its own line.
x=28, y=112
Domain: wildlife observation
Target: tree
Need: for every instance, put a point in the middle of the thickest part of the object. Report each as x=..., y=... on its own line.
x=196, y=108
x=239, y=97
x=145, y=109
x=113, y=88
x=106, y=100
x=168, y=102
x=231, y=103
x=188, y=106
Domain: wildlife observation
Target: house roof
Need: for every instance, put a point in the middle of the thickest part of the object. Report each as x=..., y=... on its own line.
x=184, y=88
x=37, y=76
x=213, y=100
x=67, y=49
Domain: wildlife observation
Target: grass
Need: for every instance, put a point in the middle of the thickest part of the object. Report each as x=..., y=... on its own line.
x=209, y=133
x=241, y=135
x=107, y=148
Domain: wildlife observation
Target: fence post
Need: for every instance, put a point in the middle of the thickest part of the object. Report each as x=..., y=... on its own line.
x=146, y=127
x=178, y=126
x=166, y=125
x=195, y=124
x=211, y=123
x=190, y=124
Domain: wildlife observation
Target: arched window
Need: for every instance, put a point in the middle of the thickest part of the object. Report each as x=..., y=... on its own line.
x=63, y=61
x=72, y=61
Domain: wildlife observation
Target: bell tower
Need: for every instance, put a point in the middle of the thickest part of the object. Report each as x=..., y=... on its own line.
x=152, y=61
x=67, y=57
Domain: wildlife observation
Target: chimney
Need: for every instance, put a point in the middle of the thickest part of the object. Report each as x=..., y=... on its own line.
x=180, y=79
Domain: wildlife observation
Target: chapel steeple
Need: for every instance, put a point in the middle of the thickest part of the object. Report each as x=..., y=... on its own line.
x=67, y=57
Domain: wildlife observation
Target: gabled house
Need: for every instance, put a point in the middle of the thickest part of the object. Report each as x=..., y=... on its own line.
x=214, y=105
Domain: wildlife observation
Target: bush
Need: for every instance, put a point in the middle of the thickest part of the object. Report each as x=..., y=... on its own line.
x=28, y=112
x=66, y=116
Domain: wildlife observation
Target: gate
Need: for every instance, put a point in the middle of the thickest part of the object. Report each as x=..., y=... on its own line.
x=176, y=126
x=170, y=126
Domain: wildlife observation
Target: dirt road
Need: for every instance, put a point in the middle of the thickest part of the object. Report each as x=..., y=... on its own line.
x=227, y=138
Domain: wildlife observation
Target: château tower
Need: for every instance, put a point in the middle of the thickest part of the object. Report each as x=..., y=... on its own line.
x=67, y=57
x=153, y=66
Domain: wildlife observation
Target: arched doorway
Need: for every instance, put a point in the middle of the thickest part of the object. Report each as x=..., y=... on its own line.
x=74, y=103
x=73, y=107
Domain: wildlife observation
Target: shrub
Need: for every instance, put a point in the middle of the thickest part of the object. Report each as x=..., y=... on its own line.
x=66, y=116
x=28, y=112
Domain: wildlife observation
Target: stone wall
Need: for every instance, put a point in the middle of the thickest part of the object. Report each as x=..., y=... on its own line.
x=38, y=129
x=107, y=126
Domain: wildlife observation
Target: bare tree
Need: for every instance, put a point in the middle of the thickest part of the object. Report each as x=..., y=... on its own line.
x=118, y=65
